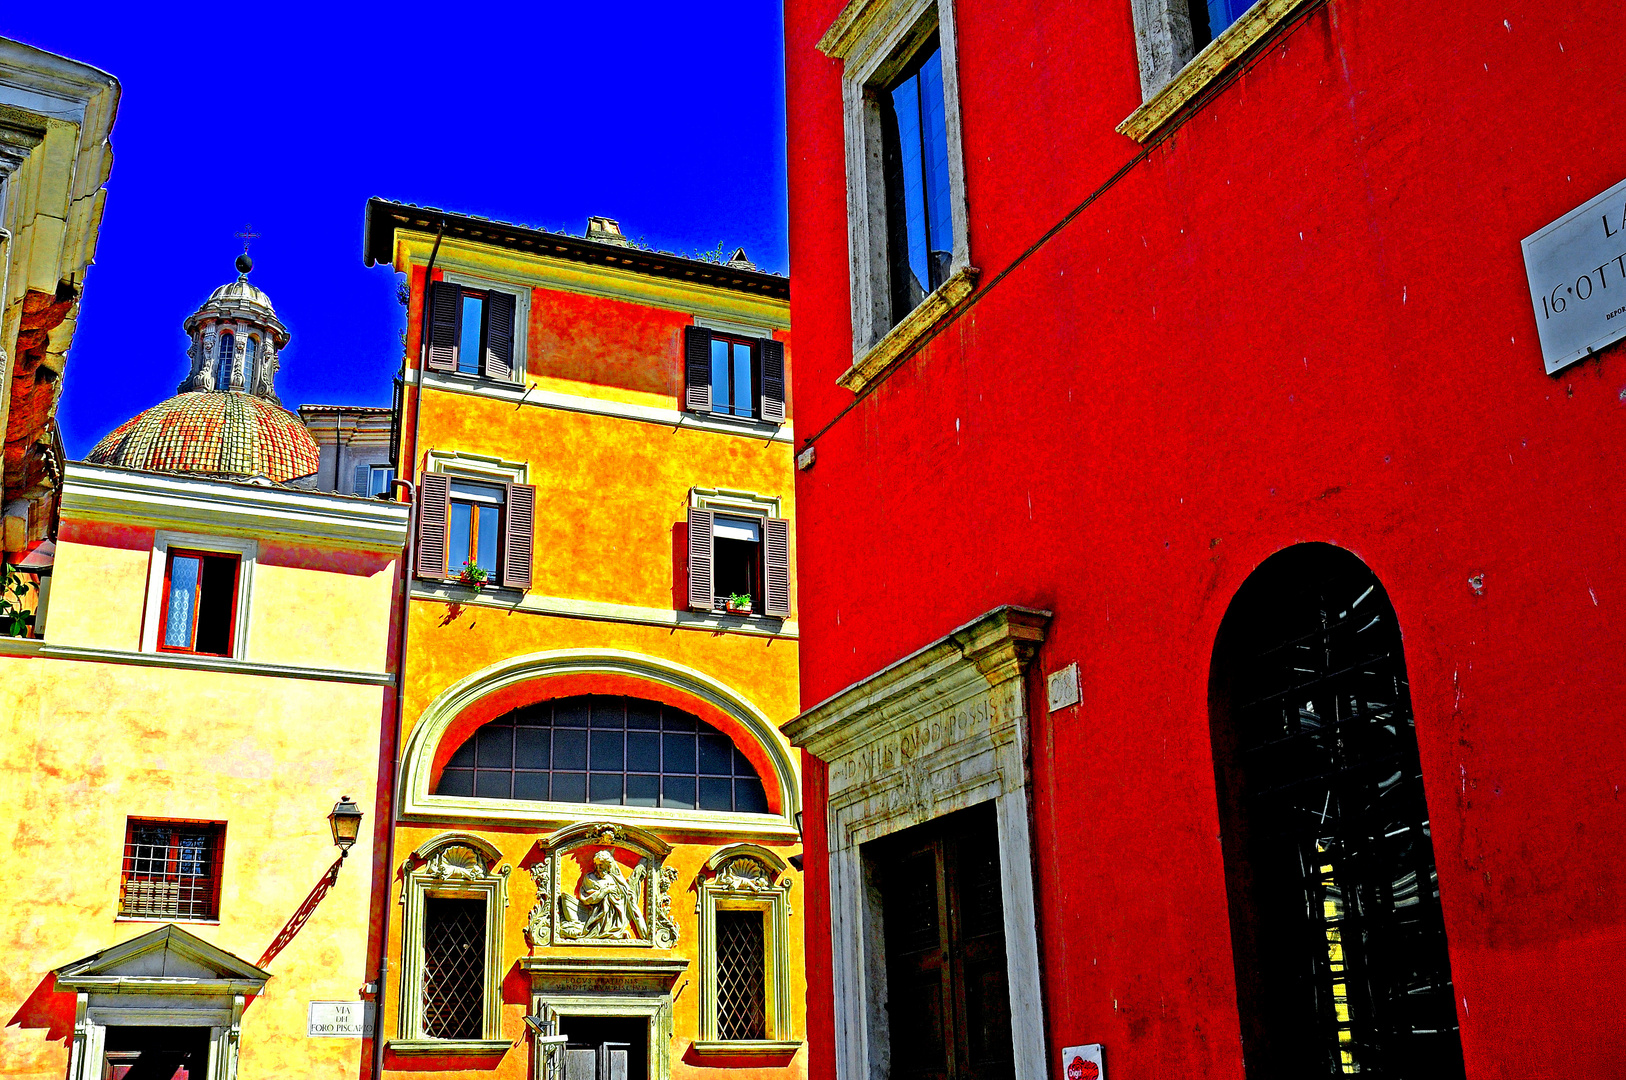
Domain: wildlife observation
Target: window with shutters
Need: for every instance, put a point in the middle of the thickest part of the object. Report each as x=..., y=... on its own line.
x=374, y=481
x=476, y=329
x=171, y=870
x=1342, y=965
x=473, y=527
x=943, y=927
x=744, y=931
x=731, y=375
x=739, y=555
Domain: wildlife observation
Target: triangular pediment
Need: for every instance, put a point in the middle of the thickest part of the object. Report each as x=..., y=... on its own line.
x=167, y=956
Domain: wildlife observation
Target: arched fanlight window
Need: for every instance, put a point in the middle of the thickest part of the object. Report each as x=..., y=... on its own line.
x=1337, y=934
x=613, y=751
x=224, y=358
x=251, y=346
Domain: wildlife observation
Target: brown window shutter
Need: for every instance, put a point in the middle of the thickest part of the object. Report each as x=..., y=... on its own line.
x=499, y=362
x=697, y=362
x=517, y=541
x=776, y=567
x=434, y=498
x=701, y=592
x=773, y=380
x=443, y=298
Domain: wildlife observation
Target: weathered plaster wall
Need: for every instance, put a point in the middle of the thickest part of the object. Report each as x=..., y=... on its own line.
x=85, y=746
x=1302, y=318
x=99, y=585
x=319, y=591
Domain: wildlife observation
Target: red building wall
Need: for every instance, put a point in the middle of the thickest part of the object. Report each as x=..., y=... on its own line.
x=1302, y=317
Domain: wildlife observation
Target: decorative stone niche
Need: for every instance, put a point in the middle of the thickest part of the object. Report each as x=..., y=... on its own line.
x=602, y=883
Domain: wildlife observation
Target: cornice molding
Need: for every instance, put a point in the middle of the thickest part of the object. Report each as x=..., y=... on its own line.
x=196, y=504
x=46, y=650
x=988, y=651
x=568, y=608
x=514, y=394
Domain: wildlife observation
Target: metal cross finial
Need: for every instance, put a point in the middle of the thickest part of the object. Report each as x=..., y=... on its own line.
x=248, y=234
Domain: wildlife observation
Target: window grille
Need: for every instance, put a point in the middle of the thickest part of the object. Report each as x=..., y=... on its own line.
x=454, y=957
x=610, y=750
x=742, y=1006
x=171, y=870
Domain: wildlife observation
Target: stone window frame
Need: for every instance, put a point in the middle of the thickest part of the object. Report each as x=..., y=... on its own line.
x=874, y=39
x=1172, y=72
x=247, y=552
x=746, y=877
x=437, y=871
x=941, y=730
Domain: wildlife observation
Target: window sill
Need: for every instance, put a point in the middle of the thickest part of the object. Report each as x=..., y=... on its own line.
x=166, y=919
x=745, y=1047
x=1221, y=54
x=450, y=1047
x=931, y=311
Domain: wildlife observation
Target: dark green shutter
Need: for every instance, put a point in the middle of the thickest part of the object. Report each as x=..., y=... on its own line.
x=701, y=591
x=773, y=380
x=520, y=528
x=697, y=364
x=443, y=303
x=499, y=359
x=776, y=567
x=434, y=508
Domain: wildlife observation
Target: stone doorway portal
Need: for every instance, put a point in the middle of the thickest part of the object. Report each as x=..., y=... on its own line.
x=606, y=1047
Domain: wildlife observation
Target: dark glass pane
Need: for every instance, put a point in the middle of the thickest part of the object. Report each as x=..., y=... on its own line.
x=493, y=784
x=464, y=758
x=215, y=606
x=677, y=753
x=677, y=721
x=226, y=360
x=643, y=714
x=677, y=792
x=531, y=747
x=1221, y=14
x=744, y=396
x=720, y=400
x=1201, y=35
x=906, y=106
x=456, y=782
x=934, y=169
x=716, y=793
x=749, y=797
x=716, y=755
x=742, y=764
x=468, y=342
x=609, y=712
x=569, y=787
x=495, y=747
x=644, y=751
x=605, y=788
x=531, y=785
x=607, y=753
x=571, y=712
x=569, y=749
x=643, y=790
x=486, y=553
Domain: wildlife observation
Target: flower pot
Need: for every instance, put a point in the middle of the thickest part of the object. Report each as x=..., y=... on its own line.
x=738, y=609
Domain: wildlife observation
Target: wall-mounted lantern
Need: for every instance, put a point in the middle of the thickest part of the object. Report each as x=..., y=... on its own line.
x=346, y=822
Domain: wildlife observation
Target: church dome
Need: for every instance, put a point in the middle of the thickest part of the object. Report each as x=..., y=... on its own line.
x=214, y=433
x=225, y=419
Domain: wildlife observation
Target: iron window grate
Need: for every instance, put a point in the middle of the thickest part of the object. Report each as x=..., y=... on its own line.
x=171, y=870
x=454, y=956
x=742, y=998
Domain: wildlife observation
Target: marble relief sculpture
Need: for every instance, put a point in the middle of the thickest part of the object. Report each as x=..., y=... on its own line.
x=599, y=883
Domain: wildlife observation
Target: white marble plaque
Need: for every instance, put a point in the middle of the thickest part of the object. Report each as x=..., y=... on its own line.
x=1577, y=272
x=340, y=1019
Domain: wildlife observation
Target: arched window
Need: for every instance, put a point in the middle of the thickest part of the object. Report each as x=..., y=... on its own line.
x=1337, y=935
x=613, y=751
x=250, y=347
x=225, y=356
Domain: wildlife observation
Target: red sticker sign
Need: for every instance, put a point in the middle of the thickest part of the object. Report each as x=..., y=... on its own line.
x=1082, y=1062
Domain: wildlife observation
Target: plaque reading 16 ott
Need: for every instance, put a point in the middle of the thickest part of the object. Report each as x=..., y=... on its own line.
x=1577, y=272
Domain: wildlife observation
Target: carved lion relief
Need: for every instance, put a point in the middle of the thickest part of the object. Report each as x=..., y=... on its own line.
x=599, y=883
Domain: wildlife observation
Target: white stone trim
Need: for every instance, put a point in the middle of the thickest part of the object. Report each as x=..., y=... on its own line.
x=570, y=608
x=477, y=467
x=534, y=395
x=761, y=332
x=767, y=890
x=51, y=651
x=591, y=986
x=734, y=501
x=872, y=38
x=417, y=758
x=247, y=552
x=521, y=292
x=221, y=508
x=941, y=730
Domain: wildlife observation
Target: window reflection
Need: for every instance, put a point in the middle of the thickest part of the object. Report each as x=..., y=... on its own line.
x=920, y=226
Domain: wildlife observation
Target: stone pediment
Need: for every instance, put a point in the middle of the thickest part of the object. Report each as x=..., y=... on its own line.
x=165, y=960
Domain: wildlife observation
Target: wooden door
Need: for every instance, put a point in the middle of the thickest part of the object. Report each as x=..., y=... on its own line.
x=948, y=995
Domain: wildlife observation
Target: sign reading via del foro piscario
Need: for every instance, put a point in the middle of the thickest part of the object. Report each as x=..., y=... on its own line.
x=1577, y=272
x=340, y=1019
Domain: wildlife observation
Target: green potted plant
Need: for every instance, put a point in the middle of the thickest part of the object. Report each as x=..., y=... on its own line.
x=473, y=575
x=739, y=603
x=15, y=618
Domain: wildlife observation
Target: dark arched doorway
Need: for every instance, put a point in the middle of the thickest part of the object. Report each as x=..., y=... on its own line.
x=1340, y=950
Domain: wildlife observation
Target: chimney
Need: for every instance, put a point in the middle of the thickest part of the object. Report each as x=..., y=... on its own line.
x=605, y=231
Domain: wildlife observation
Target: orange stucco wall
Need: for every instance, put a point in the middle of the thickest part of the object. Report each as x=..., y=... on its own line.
x=611, y=501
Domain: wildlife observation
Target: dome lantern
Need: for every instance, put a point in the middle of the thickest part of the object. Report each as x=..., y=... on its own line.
x=236, y=337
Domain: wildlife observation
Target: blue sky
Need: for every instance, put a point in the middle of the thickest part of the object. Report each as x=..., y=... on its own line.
x=668, y=117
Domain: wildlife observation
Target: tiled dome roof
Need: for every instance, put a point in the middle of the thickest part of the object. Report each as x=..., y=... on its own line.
x=215, y=433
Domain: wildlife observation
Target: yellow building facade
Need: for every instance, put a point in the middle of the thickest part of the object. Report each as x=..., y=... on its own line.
x=591, y=874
